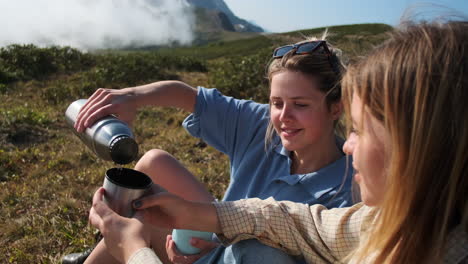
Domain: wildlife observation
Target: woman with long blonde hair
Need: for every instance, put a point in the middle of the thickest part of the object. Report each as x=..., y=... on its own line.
x=416, y=87
x=409, y=140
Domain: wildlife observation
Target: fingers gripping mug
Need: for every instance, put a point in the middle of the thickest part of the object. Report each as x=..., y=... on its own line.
x=122, y=186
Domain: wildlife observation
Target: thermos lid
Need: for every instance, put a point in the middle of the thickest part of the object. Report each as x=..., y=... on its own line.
x=123, y=150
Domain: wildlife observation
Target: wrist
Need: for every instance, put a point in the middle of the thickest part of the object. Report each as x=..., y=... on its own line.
x=204, y=217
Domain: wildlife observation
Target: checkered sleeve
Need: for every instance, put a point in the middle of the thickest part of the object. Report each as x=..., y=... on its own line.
x=144, y=256
x=318, y=234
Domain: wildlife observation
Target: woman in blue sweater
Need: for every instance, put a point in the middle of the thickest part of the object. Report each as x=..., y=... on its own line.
x=287, y=149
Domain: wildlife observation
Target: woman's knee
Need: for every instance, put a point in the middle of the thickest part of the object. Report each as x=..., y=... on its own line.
x=154, y=158
x=169, y=173
x=158, y=164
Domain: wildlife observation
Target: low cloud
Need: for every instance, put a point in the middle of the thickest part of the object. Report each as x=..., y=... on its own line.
x=96, y=24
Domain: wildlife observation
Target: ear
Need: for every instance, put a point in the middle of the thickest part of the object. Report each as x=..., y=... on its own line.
x=336, y=109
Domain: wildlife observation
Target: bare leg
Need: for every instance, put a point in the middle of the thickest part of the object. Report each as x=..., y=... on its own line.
x=170, y=174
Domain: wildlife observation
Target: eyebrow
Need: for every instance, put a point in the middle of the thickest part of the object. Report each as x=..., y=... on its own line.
x=294, y=98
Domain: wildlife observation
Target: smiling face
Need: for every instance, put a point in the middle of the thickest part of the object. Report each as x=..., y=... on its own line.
x=367, y=144
x=298, y=111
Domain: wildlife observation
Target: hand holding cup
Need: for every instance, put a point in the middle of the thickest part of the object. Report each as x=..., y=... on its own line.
x=122, y=187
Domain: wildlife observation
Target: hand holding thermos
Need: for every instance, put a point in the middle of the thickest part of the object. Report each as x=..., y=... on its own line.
x=102, y=124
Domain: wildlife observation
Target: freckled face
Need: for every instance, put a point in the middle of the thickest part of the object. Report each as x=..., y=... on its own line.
x=366, y=144
x=298, y=111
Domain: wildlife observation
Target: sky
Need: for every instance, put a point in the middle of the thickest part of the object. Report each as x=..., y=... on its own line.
x=290, y=15
x=95, y=24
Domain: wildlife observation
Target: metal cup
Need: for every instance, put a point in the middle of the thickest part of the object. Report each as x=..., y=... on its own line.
x=122, y=186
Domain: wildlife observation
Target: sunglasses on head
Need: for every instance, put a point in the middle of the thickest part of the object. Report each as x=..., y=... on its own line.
x=306, y=48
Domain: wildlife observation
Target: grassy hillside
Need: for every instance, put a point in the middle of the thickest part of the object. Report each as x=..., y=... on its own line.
x=352, y=39
x=47, y=175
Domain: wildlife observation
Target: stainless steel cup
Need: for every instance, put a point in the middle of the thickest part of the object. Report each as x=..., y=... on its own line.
x=122, y=186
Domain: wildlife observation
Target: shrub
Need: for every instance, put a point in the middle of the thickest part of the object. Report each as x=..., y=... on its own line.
x=26, y=62
x=3, y=88
x=139, y=68
x=6, y=76
x=127, y=69
x=22, y=115
x=242, y=77
x=182, y=63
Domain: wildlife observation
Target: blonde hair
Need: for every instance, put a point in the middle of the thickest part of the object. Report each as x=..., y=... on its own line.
x=416, y=85
x=314, y=64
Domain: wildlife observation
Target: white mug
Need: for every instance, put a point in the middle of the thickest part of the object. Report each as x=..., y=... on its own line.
x=182, y=238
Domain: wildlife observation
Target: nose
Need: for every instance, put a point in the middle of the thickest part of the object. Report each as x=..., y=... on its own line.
x=348, y=146
x=285, y=113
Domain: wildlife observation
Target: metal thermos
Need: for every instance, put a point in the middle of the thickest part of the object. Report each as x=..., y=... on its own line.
x=109, y=138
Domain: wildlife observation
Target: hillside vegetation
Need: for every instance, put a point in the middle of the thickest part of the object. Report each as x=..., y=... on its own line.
x=48, y=176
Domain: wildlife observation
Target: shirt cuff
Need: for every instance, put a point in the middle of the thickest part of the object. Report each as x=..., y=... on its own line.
x=237, y=220
x=144, y=256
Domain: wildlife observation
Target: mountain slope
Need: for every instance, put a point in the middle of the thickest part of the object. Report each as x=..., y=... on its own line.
x=240, y=25
x=353, y=40
x=213, y=25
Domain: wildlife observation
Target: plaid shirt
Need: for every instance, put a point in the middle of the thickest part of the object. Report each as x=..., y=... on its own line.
x=320, y=235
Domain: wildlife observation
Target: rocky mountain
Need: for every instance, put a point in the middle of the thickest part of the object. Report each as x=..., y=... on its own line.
x=218, y=14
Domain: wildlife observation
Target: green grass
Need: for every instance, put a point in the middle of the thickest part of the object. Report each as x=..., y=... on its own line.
x=342, y=36
x=239, y=47
x=47, y=176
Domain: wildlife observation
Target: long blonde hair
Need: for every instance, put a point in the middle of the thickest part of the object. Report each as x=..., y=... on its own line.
x=416, y=84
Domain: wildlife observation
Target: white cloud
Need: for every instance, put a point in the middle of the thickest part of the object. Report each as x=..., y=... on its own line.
x=93, y=24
